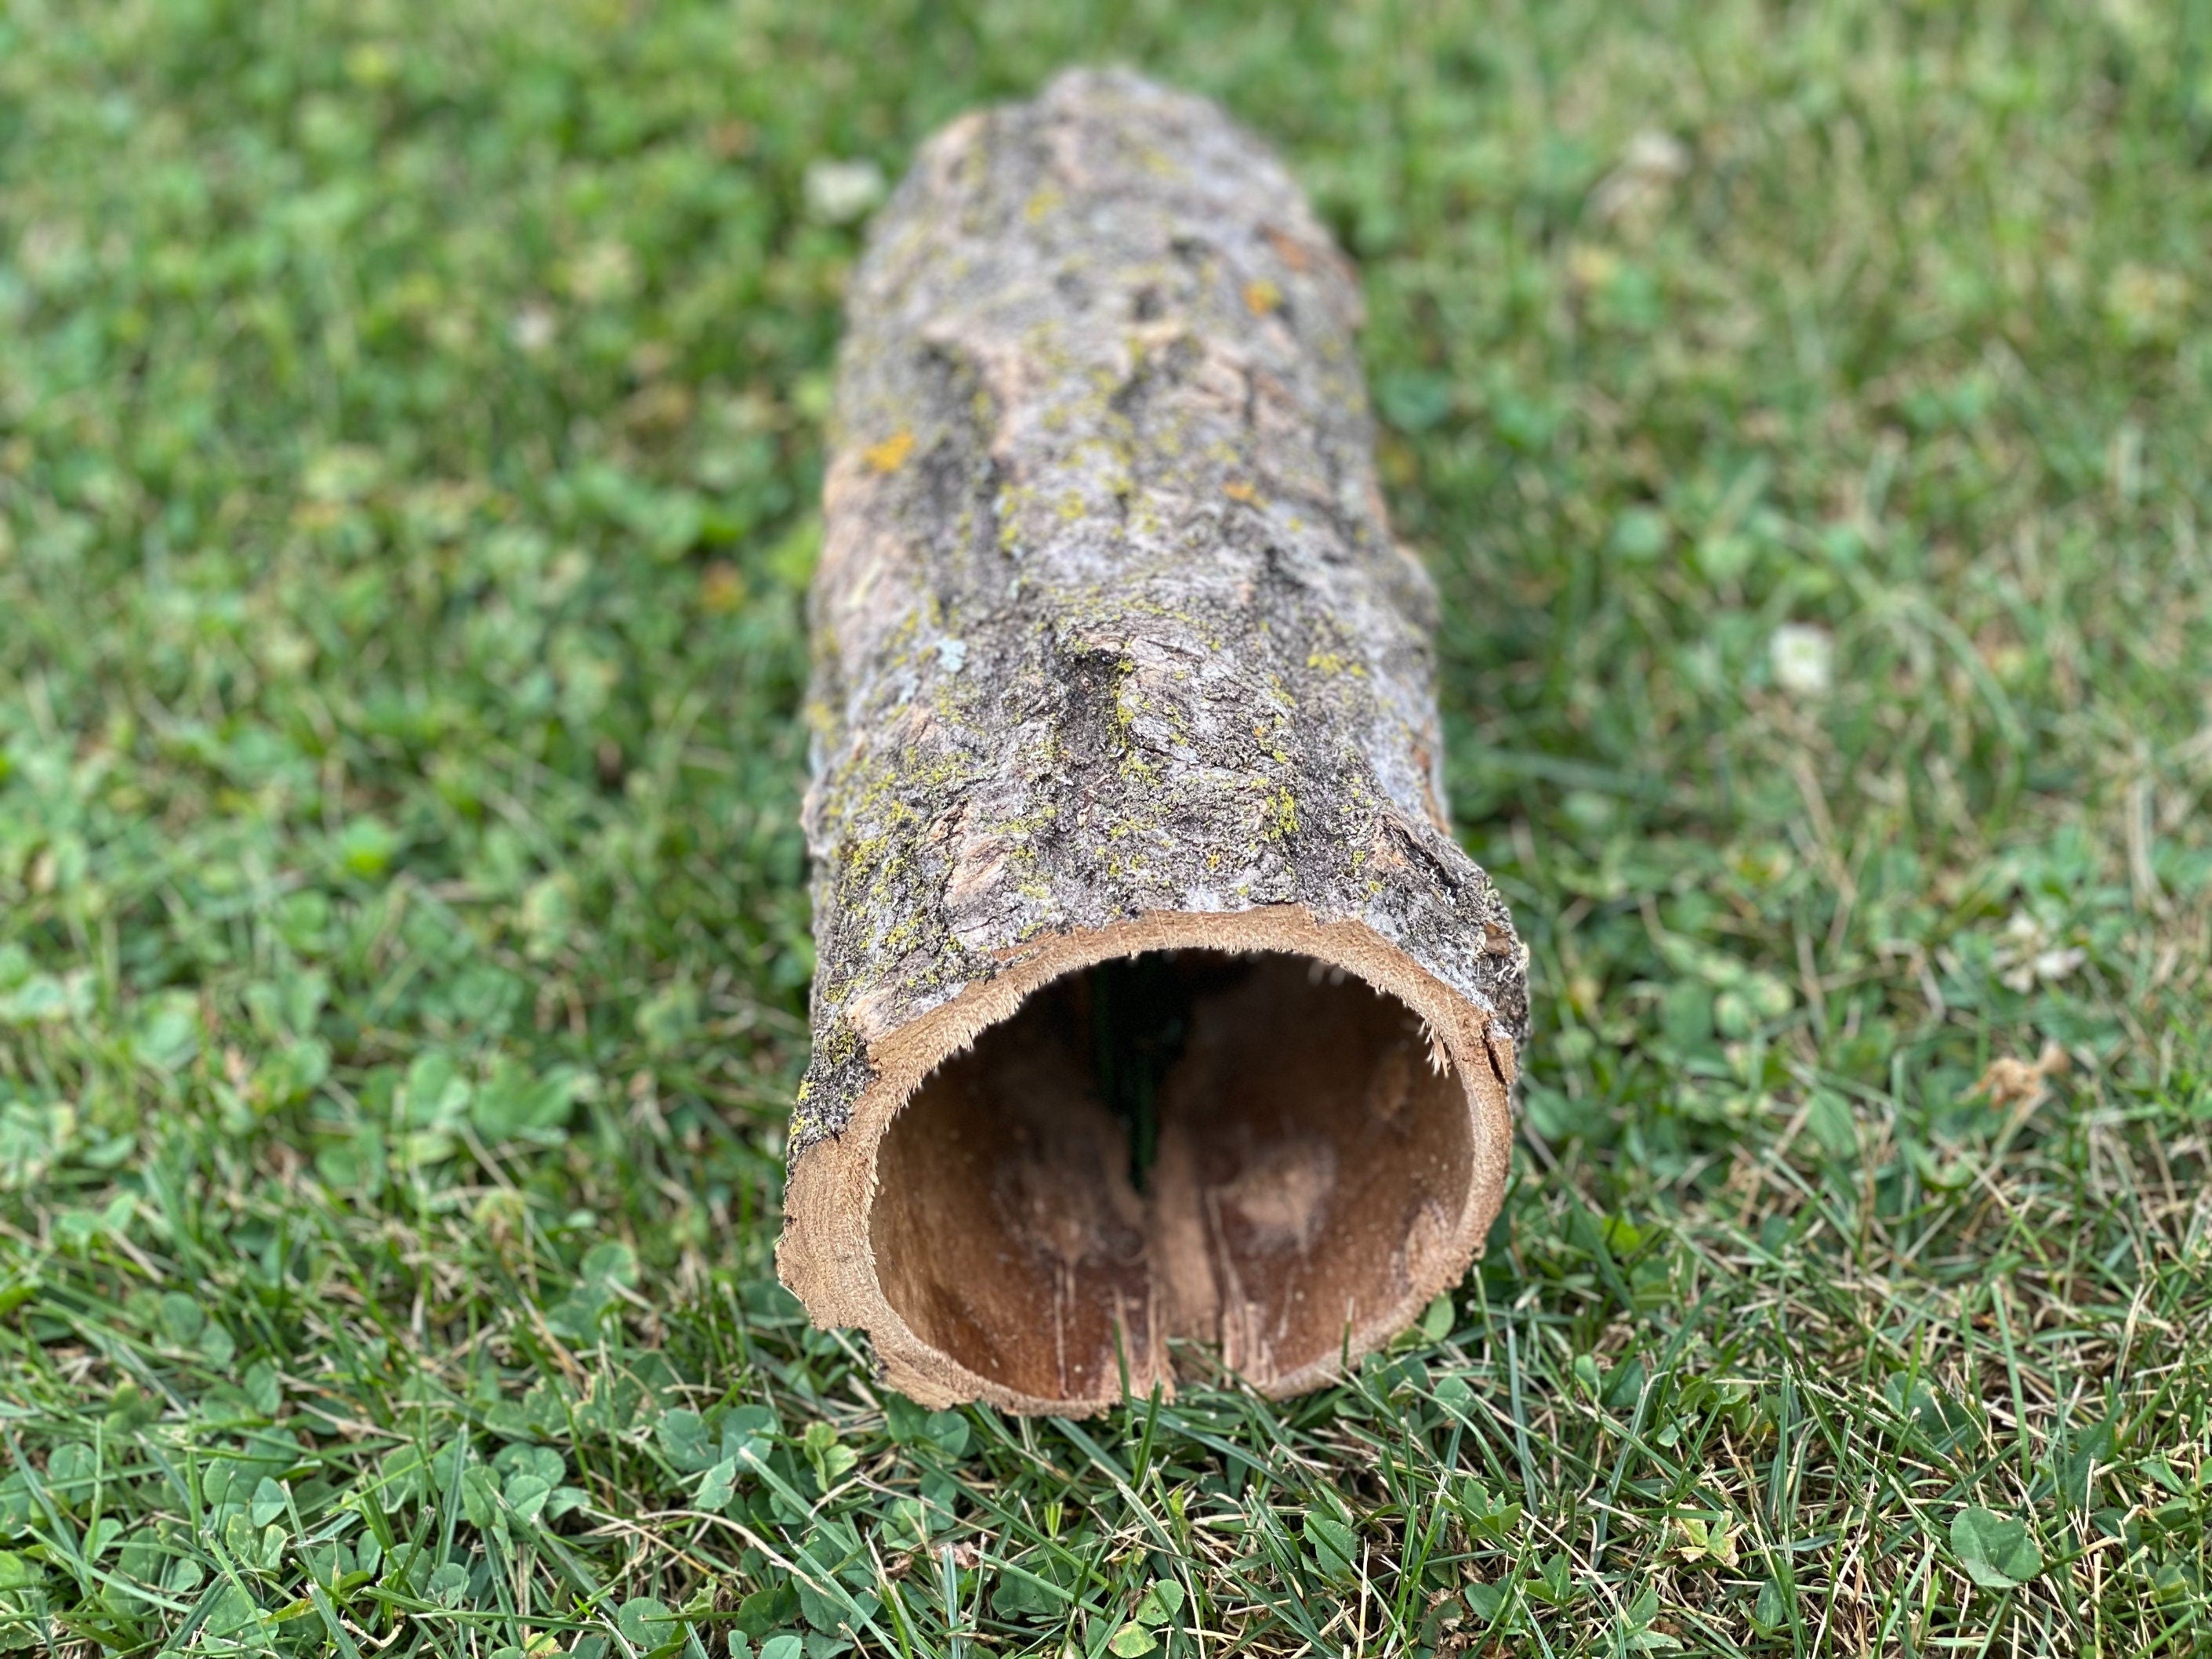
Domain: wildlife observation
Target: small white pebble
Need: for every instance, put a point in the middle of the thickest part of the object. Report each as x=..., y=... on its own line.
x=838, y=192
x=1804, y=659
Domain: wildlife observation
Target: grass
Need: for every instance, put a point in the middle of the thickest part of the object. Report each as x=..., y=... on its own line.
x=411, y=429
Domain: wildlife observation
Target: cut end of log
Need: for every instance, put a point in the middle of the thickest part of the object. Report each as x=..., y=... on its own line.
x=1274, y=1138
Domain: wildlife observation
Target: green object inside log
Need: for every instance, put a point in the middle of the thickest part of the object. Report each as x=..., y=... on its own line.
x=1139, y=1017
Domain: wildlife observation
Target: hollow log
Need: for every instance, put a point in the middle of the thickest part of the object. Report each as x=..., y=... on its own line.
x=1155, y=1002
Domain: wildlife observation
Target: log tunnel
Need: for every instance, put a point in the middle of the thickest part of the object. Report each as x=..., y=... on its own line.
x=1155, y=1002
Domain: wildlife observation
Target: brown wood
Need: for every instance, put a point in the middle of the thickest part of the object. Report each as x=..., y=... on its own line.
x=1117, y=659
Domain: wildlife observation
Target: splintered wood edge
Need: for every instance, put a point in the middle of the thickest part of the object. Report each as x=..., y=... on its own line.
x=825, y=1254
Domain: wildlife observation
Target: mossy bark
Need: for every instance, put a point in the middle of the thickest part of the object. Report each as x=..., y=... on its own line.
x=1110, y=628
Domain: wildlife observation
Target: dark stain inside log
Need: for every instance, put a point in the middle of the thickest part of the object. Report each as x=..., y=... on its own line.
x=1256, y=1150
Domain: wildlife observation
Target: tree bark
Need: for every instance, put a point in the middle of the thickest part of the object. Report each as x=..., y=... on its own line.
x=1115, y=657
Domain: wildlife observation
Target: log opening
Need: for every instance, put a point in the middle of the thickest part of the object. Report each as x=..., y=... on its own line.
x=1256, y=1150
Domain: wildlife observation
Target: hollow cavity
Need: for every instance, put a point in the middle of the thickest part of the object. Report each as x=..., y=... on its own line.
x=1257, y=1151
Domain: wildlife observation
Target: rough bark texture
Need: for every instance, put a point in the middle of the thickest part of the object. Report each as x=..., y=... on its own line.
x=1114, y=651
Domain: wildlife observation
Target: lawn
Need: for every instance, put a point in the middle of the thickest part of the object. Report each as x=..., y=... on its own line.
x=411, y=424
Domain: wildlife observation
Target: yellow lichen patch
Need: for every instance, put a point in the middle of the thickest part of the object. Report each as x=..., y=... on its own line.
x=1040, y=204
x=1239, y=491
x=890, y=454
x=1330, y=662
x=1261, y=296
